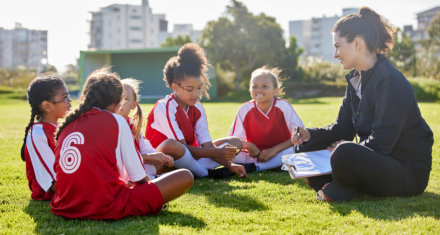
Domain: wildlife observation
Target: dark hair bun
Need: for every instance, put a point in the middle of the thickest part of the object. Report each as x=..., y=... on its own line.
x=192, y=54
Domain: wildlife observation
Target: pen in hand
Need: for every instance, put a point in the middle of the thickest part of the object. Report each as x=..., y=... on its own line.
x=298, y=135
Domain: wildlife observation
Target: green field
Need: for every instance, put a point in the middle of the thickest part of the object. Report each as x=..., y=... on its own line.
x=269, y=202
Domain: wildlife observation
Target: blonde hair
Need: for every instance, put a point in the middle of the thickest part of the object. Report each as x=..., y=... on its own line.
x=273, y=73
x=133, y=84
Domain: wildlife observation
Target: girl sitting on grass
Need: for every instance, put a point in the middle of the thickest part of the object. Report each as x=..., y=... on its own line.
x=159, y=160
x=265, y=123
x=95, y=153
x=181, y=116
x=49, y=100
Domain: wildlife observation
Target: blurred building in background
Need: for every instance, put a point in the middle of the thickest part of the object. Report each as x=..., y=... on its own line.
x=314, y=35
x=21, y=47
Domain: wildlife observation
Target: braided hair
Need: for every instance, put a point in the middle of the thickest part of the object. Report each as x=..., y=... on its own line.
x=42, y=88
x=190, y=61
x=101, y=90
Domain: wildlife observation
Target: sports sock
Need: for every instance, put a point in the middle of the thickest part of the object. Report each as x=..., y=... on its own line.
x=188, y=162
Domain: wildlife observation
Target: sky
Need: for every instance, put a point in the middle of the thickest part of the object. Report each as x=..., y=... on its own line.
x=68, y=26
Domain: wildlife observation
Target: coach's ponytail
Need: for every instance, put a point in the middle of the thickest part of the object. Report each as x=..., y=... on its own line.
x=376, y=32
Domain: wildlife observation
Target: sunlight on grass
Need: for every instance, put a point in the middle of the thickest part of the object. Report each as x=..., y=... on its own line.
x=269, y=202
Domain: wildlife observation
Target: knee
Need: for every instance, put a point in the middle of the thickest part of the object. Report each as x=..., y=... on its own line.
x=341, y=153
x=186, y=177
x=172, y=147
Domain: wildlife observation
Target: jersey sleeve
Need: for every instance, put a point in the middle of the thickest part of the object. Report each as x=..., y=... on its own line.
x=237, y=128
x=131, y=160
x=165, y=120
x=291, y=117
x=201, y=127
x=41, y=156
x=145, y=145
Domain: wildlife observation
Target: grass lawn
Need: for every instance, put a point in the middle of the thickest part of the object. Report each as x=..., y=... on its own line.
x=268, y=202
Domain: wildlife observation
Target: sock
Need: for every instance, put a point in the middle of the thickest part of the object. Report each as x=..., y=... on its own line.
x=188, y=162
x=272, y=163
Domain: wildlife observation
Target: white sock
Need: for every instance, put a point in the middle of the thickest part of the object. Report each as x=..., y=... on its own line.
x=188, y=162
x=272, y=163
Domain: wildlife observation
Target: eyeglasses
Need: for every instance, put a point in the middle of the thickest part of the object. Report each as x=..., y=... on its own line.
x=189, y=89
x=66, y=100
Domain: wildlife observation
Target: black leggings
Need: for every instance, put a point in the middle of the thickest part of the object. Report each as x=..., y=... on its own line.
x=359, y=167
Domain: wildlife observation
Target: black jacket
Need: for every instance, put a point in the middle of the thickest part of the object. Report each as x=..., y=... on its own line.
x=387, y=119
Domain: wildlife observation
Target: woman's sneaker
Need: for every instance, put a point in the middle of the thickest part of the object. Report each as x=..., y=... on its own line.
x=317, y=182
x=336, y=192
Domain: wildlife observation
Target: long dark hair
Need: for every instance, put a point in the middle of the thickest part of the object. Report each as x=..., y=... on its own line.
x=42, y=88
x=190, y=61
x=377, y=33
x=101, y=90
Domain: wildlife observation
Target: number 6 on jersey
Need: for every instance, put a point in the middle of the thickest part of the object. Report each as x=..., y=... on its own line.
x=70, y=156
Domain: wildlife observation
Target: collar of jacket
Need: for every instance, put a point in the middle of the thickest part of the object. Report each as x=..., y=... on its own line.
x=366, y=75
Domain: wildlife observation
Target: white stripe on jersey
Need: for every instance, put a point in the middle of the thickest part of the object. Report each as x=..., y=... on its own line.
x=128, y=159
x=201, y=128
x=43, y=177
x=161, y=120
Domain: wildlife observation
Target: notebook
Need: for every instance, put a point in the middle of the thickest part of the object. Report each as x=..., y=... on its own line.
x=308, y=164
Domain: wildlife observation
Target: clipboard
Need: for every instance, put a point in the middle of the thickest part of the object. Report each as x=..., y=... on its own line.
x=307, y=164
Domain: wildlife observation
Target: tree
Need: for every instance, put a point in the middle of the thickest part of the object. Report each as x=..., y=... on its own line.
x=176, y=42
x=431, y=59
x=403, y=53
x=240, y=42
x=291, y=67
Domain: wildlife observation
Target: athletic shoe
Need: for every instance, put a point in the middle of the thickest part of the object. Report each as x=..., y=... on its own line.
x=317, y=182
x=219, y=173
x=249, y=167
x=335, y=192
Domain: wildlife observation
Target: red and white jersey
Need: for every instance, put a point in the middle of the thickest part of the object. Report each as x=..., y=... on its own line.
x=142, y=145
x=93, y=155
x=39, y=156
x=168, y=120
x=265, y=130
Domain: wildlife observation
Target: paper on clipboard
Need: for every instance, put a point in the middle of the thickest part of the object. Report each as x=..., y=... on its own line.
x=308, y=164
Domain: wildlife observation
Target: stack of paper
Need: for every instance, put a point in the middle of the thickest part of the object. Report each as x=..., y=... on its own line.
x=308, y=164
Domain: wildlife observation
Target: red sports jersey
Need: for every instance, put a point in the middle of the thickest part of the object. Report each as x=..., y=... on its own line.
x=39, y=156
x=168, y=120
x=265, y=130
x=93, y=155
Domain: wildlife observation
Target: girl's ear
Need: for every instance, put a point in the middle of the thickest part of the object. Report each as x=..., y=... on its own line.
x=277, y=91
x=135, y=104
x=174, y=87
x=46, y=106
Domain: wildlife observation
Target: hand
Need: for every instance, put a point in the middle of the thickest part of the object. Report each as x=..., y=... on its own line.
x=267, y=154
x=169, y=161
x=334, y=145
x=304, y=136
x=238, y=170
x=227, y=153
x=252, y=149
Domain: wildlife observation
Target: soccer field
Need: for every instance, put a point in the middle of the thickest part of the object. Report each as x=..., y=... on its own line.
x=268, y=202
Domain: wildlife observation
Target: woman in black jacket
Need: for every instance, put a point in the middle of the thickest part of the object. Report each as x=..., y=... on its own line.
x=392, y=153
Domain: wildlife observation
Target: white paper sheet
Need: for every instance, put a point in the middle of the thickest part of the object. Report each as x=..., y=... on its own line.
x=300, y=165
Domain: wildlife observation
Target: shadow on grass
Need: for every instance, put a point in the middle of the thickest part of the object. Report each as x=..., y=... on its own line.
x=392, y=208
x=221, y=194
x=46, y=222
